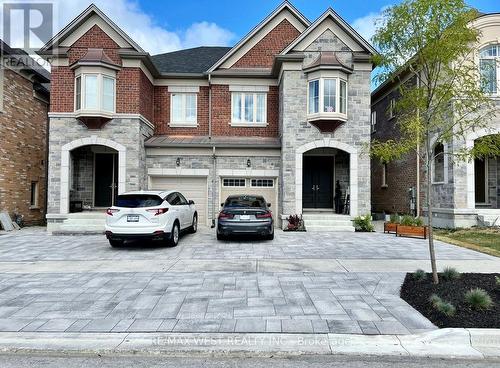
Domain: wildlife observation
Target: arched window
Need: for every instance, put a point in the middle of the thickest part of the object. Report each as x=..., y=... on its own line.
x=438, y=163
x=489, y=65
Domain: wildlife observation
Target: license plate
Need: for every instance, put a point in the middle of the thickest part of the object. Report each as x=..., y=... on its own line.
x=244, y=217
x=132, y=218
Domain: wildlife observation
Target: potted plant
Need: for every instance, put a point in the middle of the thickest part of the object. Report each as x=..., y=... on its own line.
x=363, y=223
x=391, y=226
x=411, y=226
x=295, y=223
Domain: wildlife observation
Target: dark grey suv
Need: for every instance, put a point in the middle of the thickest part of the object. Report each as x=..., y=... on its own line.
x=245, y=215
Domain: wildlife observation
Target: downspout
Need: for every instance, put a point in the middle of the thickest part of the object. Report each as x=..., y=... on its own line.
x=214, y=156
x=417, y=202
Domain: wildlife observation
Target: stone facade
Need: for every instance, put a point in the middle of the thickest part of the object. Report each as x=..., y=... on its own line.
x=354, y=135
x=23, y=147
x=130, y=133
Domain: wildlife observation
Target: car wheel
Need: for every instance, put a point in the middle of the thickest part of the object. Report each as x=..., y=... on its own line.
x=174, y=235
x=220, y=237
x=115, y=243
x=270, y=236
x=194, y=226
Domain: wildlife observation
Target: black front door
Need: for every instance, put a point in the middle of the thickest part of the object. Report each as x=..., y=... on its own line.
x=317, y=182
x=106, y=179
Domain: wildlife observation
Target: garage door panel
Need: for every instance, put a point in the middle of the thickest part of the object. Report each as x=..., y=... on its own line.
x=193, y=188
x=269, y=193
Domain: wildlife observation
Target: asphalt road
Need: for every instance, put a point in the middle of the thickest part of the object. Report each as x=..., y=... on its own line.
x=312, y=361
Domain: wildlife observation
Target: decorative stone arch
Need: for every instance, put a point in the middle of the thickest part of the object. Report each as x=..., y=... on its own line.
x=469, y=143
x=65, y=162
x=353, y=170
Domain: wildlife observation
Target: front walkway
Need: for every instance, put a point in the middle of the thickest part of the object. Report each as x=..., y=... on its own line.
x=300, y=282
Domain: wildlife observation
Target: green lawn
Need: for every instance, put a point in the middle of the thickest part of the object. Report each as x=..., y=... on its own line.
x=482, y=240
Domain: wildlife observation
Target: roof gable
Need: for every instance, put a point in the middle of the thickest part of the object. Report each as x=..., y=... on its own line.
x=330, y=20
x=84, y=22
x=282, y=12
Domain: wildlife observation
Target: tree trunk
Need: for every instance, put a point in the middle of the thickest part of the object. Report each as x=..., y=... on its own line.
x=435, y=277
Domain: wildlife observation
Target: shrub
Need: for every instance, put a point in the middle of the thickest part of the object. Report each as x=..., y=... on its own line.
x=407, y=220
x=497, y=281
x=441, y=306
x=418, y=221
x=478, y=299
x=363, y=223
x=450, y=273
x=394, y=218
x=295, y=222
x=420, y=275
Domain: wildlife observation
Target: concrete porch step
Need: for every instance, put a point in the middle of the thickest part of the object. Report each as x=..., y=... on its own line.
x=327, y=221
x=327, y=228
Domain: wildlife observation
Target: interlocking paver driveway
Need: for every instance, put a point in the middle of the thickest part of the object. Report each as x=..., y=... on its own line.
x=296, y=283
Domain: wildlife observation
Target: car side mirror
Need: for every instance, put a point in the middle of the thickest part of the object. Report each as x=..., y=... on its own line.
x=191, y=202
x=222, y=204
x=269, y=205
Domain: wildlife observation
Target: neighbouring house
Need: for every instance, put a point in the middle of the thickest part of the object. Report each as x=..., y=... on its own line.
x=24, y=104
x=464, y=193
x=284, y=113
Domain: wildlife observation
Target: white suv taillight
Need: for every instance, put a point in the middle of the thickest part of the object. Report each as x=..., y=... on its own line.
x=110, y=211
x=158, y=211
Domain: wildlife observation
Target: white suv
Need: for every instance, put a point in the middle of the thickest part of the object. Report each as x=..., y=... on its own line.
x=155, y=215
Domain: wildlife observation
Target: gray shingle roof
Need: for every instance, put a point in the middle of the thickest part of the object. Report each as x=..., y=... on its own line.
x=195, y=60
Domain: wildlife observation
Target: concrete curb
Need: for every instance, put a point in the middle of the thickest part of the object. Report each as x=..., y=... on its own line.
x=449, y=343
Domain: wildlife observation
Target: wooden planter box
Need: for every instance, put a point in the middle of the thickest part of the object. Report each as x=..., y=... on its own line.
x=412, y=231
x=390, y=227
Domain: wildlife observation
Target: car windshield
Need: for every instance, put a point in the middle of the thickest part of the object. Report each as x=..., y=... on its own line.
x=138, y=200
x=245, y=201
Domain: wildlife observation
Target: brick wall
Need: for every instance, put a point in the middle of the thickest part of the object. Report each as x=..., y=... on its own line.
x=262, y=54
x=23, y=126
x=162, y=113
x=221, y=114
x=94, y=38
x=401, y=174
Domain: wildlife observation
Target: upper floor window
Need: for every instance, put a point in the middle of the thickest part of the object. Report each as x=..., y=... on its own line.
x=439, y=167
x=95, y=92
x=327, y=95
x=392, y=108
x=248, y=108
x=373, y=120
x=183, y=109
x=489, y=67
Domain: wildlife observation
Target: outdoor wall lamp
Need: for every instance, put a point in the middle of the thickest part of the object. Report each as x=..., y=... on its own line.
x=178, y=162
x=249, y=163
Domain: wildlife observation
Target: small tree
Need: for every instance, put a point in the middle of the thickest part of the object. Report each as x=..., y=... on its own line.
x=428, y=47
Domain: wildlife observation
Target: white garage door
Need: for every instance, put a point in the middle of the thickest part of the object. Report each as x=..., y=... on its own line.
x=193, y=188
x=266, y=187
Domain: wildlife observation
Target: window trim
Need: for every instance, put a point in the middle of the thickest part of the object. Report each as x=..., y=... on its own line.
x=224, y=185
x=260, y=186
x=35, y=204
x=321, y=103
x=445, y=165
x=100, y=93
x=373, y=121
x=496, y=59
x=392, y=105
x=249, y=123
x=384, y=175
x=184, y=123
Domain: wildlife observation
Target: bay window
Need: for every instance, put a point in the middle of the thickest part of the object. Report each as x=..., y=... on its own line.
x=328, y=97
x=489, y=68
x=183, y=109
x=94, y=92
x=248, y=108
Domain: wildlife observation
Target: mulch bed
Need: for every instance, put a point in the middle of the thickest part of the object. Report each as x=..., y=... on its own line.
x=417, y=293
